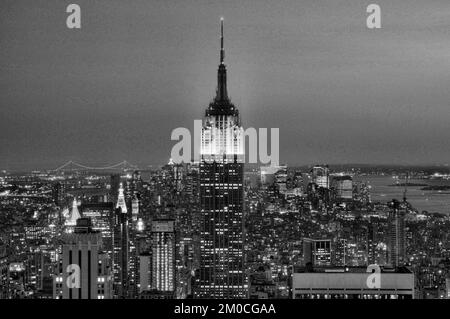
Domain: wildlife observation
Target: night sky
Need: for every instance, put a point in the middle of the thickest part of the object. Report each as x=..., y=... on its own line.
x=115, y=90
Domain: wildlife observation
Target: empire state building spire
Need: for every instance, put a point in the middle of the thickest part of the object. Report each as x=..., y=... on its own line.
x=221, y=104
x=221, y=193
x=222, y=94
x=222, y=50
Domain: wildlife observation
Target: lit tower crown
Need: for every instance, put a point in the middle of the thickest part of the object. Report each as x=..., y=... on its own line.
x=221, y=132
x=74, y=214
x=121, y=200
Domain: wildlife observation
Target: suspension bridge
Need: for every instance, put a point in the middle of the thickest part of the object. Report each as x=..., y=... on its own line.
x=74, y=166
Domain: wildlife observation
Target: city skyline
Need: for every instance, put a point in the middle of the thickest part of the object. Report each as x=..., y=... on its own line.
x=107, y=199
x=115, y=89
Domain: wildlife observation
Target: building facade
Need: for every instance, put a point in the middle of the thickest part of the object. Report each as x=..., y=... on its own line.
x=221, y=273
x=351, y=283
x=84, y=271
x=321, y=176
x=163, y=255
x=317, y=252
x=396, y=232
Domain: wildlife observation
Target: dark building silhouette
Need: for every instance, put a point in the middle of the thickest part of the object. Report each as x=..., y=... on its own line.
x=121, y=248
x=396, y=233
x=114, y=190
x=58, y=193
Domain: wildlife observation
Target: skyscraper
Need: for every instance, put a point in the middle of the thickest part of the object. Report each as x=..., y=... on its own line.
x=83, y=248
x=376, y=248
x=121, y=247
x=321, y=176
x=102, y=219
x=221, y=273
x=71, y=220
x=114, y=187
x=396, y=232
x=4, y=271
x=340, y=251
x=281, y=178
x=58, y=193
x=132, y=193
x=343, y=186
x=317, y=252
x=372, y=242
x=163, y=255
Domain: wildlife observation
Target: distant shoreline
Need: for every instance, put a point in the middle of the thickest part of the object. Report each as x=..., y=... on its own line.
x=409, y=184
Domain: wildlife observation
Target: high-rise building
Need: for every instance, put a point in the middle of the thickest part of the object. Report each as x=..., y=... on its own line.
x=317, y=252
x=447, y=288
x=396, y=233
x=126, y=258
x=221, y=273
x=145, y=282
x=322, y=252
x=58, y=193
x=102, y=219
x=372, y=241
x=84, y=271
x=163, y=255
x=136, y=182
x=340, y=252
x=121, y=247
x=343, y=186
x=321, y=176
x=4, y=274
x=268, y=174
x=134, y=209
x=114, y=187
x=72, y=218
x=281, y=178
x=133, y=257
x=132, y=191
x=376, y=247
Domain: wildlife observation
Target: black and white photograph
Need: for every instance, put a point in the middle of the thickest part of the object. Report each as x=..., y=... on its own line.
x=244, y=152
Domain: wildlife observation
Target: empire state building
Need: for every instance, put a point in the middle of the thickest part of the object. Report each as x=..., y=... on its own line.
x=221, y=197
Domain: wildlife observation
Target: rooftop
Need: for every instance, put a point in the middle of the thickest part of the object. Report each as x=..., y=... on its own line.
x=348, y=269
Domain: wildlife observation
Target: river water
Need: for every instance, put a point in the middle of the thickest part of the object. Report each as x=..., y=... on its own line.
x=431, y=201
